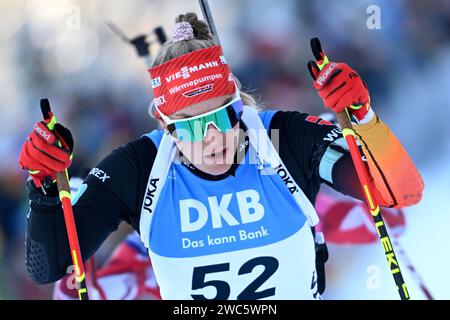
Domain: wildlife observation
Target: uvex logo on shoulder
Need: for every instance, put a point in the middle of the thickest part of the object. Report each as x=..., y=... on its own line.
x=100, y=174
x=194, y=214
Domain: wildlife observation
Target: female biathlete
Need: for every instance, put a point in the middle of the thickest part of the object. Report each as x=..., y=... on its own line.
x=223, y=196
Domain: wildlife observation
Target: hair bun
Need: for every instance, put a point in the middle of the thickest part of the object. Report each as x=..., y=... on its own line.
x=199, y=27
x=182, y=31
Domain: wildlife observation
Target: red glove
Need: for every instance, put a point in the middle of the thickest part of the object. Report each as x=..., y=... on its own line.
x=46, y=152
x=338, y=85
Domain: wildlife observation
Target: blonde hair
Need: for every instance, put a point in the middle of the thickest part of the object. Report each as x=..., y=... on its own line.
x=202, y=39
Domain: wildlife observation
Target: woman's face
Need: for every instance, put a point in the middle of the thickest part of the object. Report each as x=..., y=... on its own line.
x=215, y=154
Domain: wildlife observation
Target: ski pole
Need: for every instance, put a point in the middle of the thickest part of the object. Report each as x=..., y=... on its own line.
x=416, y=276
x=350, y=137
x=404, y=258
x=207, y=15
x=91, y=276
x=62, y=181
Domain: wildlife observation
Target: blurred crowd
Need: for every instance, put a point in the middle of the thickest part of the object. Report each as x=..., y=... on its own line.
x=99, y=88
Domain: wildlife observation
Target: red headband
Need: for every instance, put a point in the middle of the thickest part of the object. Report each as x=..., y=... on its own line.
x=191, y=78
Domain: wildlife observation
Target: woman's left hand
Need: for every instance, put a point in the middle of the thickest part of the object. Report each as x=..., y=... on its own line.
x=339, y=86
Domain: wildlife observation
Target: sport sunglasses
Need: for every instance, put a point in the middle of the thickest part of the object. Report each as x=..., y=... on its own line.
x=194, y=129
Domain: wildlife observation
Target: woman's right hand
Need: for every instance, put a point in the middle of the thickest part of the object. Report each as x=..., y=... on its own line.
x=46, y=152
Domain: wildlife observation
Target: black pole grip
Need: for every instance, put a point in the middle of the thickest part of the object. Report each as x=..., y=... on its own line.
x=45, y=109
x=316, y=48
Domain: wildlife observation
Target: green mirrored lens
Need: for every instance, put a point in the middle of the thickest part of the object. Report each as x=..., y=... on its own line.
x=189, y=131
x=194, y=130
